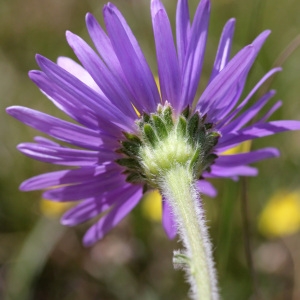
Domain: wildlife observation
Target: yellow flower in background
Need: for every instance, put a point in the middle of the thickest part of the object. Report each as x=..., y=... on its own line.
x=53, y=209
x=152, y=205
x=281, y=215
x=240, y=148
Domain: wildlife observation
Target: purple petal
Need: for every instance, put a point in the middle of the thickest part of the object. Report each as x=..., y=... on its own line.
x=111, y=85
x=77, y=110
x=66, y=156
x=215, y=95
x=103, y=45
x=63, y=177
x=136, y=70
x=248, y=115
x=84, y=211
x=94, y=206
x=233, y=88
x=182, y=29
x=59, y=129
x=111, y=219
x=233, y=95
x=224, y=48
x=90, y=187
x=81, y=92
x=256, y=131
x=219, y=171
x=193, y=61
x=168, y=221
x=78, y=71
x=44, y=141
x=245, y=101
x=246, y=158
x=260, y=40
x=142, y=103
x=270, y=112
x=168, y=67
x=206, y=188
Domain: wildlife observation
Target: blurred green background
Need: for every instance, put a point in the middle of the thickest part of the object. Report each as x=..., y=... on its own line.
x=256, y=248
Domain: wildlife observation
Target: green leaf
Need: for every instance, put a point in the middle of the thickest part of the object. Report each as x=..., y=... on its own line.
x=167, y=117
x=181, y=126
x=130, y=163
x=130, y=148
x=186, y=112
x=192, y=127
x=195, y=159
x=150, y=135
x=160, y=127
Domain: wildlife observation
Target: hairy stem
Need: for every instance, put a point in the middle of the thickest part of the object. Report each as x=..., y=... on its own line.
x=196, y=259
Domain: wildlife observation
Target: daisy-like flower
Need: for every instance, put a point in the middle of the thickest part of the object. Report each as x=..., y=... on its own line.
x=128, y=134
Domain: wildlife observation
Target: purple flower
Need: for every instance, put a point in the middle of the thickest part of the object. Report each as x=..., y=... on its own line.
x=104, y=95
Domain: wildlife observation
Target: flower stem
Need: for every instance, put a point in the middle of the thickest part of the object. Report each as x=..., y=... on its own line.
x=178, y=187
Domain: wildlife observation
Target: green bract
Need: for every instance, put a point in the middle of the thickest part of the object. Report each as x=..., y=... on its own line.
x=164, y=141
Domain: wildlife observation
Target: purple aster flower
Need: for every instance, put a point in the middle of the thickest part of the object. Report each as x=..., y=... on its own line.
x=126, y=131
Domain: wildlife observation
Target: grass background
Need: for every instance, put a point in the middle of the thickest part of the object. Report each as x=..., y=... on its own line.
x=41, y=260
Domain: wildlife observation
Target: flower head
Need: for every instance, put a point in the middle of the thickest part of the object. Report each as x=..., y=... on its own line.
x=127, y=133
